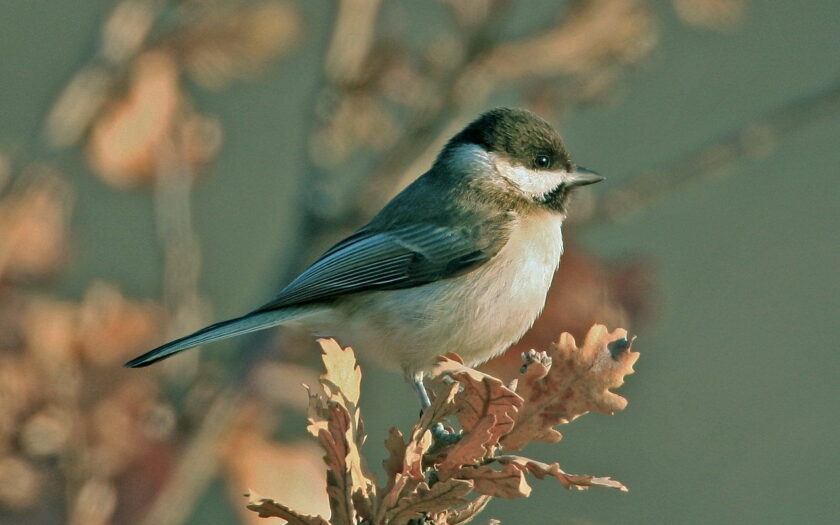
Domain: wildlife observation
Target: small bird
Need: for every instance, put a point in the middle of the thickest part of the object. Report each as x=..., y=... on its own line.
x=459, y=261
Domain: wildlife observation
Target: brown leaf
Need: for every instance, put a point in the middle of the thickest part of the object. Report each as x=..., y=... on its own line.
x=508, y=483
x=343, y=376
x=49, y=330
x=579, y=381
x=126, y=421
x=442, y=496
x=393, y=464
x=541, y=470
x=291, y=472
x=443, y=406
x=336, y=422
x=126, y=139
x=470, y=449
x=410, y=473
x=468, y=512
x=20, y=483
x=46, y=433
x=589, y=34
x=482, y=395
x=228, y=43
x=268, y=508
x=344, y=469
x=112, y=327
x=33, y=228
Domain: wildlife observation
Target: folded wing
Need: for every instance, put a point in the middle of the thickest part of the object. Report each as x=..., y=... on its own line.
x=401, y=258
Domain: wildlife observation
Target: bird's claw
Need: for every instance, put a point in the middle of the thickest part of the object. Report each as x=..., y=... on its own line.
x=443, y=437
x=532, y=356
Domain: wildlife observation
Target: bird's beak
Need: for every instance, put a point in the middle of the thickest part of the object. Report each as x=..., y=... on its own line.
x=582, y=177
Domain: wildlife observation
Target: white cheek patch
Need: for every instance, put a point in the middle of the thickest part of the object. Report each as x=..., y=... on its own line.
x=534, y=183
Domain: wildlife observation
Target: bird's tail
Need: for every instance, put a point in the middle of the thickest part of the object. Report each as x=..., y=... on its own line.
x=251, y=322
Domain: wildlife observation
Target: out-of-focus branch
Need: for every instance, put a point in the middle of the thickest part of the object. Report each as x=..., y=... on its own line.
x=352, y=40
x=180, y=245
x=197, y=464
x=591, y=36
x=194, y=471
x=754, y=138
x=434, y=121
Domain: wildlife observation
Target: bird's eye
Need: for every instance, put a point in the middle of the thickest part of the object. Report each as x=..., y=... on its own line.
x=542, y=161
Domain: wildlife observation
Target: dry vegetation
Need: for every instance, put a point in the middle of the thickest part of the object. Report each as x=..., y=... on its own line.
x=433, y=481
x=83, y=441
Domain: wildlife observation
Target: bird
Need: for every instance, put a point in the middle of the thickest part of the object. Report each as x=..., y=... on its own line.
x=461, y=260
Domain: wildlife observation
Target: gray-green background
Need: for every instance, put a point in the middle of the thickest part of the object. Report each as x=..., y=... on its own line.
x=732, y=415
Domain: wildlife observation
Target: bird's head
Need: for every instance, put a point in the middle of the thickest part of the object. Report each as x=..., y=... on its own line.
x=522, y=152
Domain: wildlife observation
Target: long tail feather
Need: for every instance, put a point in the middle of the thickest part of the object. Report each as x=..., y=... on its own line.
x=216, y=332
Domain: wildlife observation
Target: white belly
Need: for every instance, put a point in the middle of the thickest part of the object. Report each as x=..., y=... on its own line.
x=478, y=315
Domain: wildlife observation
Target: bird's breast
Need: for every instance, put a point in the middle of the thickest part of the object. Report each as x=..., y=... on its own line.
x=478, y=315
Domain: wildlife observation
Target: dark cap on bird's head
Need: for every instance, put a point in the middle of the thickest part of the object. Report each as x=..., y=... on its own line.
x=517, y=134
x=522, y=151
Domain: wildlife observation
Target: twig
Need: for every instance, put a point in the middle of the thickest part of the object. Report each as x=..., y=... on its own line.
x=352, y=40
x=197, y=463
x=180, y=245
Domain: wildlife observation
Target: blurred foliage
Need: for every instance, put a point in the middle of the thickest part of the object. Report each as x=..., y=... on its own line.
x=84, y=442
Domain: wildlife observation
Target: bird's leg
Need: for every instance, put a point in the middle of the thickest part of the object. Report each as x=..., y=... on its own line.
x=532, y=356
x=420, y=388
x=441, y=436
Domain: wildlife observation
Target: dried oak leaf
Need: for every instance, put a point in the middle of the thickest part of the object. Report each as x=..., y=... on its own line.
x=442, y=407
x=292, y=472
x=111, y=327
x=469, y=511
x=585, y=36
x=440, y=497
x=393, y=464
x=404, y=466
x=268, y=508
x=470, y=449
x=508, y=483
x=334, y=419
x=33, y=227
x=343, y=376
x=126, y=140
x=578, y=381
x=224, y=44
x=486, y=410
x=482, y=396
x=541, y=470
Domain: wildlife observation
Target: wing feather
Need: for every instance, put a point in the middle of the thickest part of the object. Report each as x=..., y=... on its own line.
x=400, y=258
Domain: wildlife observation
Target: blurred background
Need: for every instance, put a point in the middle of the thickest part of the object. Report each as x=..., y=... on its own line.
x=164, y=164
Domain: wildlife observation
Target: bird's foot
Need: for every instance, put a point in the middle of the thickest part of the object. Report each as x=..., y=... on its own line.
x=532, y=356
x=443, y=437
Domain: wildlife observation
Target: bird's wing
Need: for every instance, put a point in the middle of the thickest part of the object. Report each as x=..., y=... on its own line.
x=402, y=258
